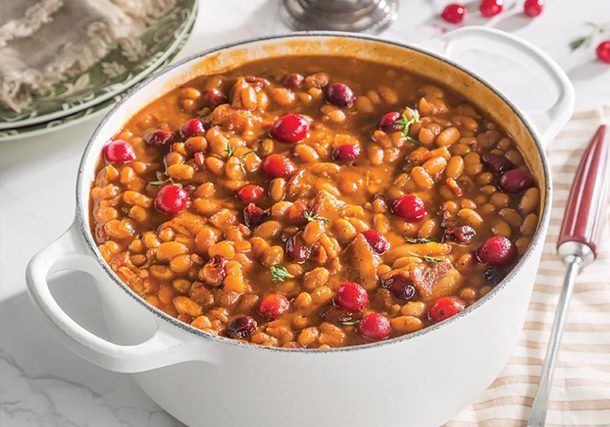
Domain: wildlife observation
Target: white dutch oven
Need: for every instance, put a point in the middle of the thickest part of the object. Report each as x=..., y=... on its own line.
x=420, y=379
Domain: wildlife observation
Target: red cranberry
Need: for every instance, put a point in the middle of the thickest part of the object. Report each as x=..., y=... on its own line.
x=119, y=151
x=493, y=275
x=378, y=243
x=496, y=164
x=171, y=199
x=277, y=166
x=388, y=122
x=374, y=327
x=400, y=286
x=454, y=13
x=254, y=215
x=159, y=137
x=297, y=250
x=291, y=128
x=410, y=208
x=352, y=297
x=445, y=307
x=533, y=8
x=346, y=153
x=515, y=181
x=241, y=327
x=250, y=193
x=192, y=127
x=214, y=97
x=497, y=251
x=340, y=94
x=603, y=51
x=273, y=306
x=463, y=234
x=293, y=80
x=491, y=8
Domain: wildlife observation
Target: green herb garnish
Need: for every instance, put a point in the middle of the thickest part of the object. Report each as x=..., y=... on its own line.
x=406, y=123
x=427, y=258
x=586, y=40
x=311, y=218
x=279, y=273
x=418, y=240
x=230, y=150
x=169, y=180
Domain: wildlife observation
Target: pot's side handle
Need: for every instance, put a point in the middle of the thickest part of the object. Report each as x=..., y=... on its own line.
x=517, y=50
x=69, y=253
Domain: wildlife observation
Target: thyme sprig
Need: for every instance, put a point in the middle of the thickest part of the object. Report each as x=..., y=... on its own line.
x=430, y=259
x=279, y=273
x=586, y=40
x=315, y=217
x=406, y=123
x=418, y=240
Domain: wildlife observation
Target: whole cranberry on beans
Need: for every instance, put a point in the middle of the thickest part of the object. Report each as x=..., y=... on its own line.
x=463, y=234
x=533, y=8
x=454, y=13
x=352, y=297
x=340, y=94
x=241, y=327
x=496, y=164
x=515, y=181
x=293, y=80
x=254, y=215
x=297, y=250
x=410, y=208
x=445, y=307
x=497, y=251
x=250, y=193
x=159, y=137
x=277, y=166
x=291, y=128
x=214, y=97
x=376, y=240
x=374, y=327
x=119, y=151
x=346, y=153
x=603, y=51
x=192, y=127
x=171, y=199
x=491, y=8
x=388, y=122
x=273, y=306
x=400, y=287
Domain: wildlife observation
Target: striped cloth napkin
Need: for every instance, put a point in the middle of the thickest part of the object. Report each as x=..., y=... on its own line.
x=581, y=385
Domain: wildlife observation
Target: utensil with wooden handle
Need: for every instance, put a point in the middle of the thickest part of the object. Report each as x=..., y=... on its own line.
x=577, y=245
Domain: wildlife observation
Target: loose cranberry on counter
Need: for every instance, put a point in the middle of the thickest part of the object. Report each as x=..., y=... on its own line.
x=374, y=327
x=250, y=193
x=214, y=97
x=491, y=8
x=241, y=327
x=533, y=8
x=515, y=181
x=410, y=208
x=293, y=80
x=400, y=286
x=378, y=243
x=352, y=297
x=277, y=166
x=159, y=137
x=291, y=128
x=445, y=307
x=273, y=306
x=119, y=151
x=496, y=164
x=340, y=94
x=603, y=51
x=388, y=122
x=346, y=153
x=192, y=127
x=497, y=251
x=254, y=215
x=171, y=199
x=463, y=234
x=297, y=250
x=454, y=13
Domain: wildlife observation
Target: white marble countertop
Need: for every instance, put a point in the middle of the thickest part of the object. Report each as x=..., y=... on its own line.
x=42, y=383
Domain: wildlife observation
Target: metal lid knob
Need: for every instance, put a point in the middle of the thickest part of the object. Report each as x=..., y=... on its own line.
x=370, y=16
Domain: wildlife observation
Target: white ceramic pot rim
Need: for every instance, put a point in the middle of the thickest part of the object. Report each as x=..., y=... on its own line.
x=82, y=211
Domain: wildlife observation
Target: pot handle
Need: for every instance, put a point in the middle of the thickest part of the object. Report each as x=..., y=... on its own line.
x=528, y=55
x=68, y=252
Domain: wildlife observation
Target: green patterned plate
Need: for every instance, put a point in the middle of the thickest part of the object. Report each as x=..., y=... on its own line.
x=123, y=67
